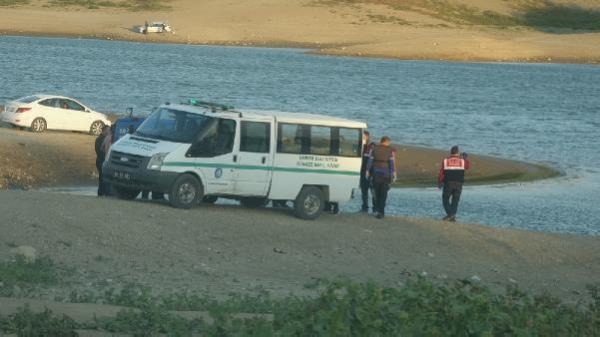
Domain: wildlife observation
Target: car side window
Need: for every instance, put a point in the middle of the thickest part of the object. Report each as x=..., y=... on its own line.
x=51, y=102
x=72, y=105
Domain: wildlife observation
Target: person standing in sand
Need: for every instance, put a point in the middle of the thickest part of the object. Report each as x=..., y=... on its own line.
x=382, y=162
x=451, y=179
x=101, y=156
x=365, y=184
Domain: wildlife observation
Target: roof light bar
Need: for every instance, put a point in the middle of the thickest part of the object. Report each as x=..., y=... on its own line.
x=210, y=105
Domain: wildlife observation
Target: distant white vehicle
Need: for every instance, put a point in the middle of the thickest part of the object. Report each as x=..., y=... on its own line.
x=41, y=112
x=155, y=27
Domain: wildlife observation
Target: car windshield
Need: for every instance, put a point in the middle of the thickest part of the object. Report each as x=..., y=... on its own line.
x=28, y=99
x=173, y=125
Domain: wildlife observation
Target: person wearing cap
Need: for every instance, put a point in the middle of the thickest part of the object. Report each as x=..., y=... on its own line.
x=365, y=184
x=450, y=179
x=381, y=168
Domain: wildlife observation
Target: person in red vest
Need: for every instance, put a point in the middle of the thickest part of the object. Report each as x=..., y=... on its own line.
x=451, y=179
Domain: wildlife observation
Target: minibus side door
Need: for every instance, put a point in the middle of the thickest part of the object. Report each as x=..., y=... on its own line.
x=213, y=154
x=255, y=157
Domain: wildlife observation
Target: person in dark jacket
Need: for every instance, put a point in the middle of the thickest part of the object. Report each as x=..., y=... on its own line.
x=382, y=167
x=365, y=184
x=451, y=179
x=99, y=146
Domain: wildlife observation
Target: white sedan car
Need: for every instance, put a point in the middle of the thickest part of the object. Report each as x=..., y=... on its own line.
x=155, y=27
x=41, y=112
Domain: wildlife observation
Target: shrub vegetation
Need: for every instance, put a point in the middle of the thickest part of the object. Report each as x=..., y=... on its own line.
x=539, y=14
x=23, y=273
x=343, y=308
x=134, y=5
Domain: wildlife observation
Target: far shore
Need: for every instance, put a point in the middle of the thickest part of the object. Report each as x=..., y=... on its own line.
x=331, y=49
x=329, y=28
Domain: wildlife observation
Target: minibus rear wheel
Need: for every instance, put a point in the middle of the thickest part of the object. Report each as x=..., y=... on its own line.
x=309, y=203
x=185, y=192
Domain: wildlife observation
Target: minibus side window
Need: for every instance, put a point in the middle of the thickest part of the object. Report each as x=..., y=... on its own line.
x=217, y=139
x=293, y=138
x=320, y=140
x=335, y=142
x=255, y=137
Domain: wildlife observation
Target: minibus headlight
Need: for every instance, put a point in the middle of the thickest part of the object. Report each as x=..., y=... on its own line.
x=156, y=161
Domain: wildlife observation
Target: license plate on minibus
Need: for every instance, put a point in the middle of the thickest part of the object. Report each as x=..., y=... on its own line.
x=122, y=175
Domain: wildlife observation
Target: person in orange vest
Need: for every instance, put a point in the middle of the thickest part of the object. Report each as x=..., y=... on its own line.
x=451, y=179
x=381, y=168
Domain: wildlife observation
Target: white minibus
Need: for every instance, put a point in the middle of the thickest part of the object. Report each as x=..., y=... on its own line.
x=200, y=151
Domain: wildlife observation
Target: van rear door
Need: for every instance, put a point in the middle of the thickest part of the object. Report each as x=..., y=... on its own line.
x=255, y=157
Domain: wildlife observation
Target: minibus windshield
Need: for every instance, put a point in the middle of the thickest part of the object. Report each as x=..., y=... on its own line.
x=173, y=125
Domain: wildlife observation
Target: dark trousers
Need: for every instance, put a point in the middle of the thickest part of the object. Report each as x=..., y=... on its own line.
x=365, y=186
x=381, y=186
x=101, y=184
x=451, y=197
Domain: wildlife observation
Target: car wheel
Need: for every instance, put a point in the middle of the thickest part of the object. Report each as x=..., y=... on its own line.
x=254, y=202
x=185, y=192
x=96, y=128
x=309, y=203
x=38, y=125
x=210, y=199
x=125, y=193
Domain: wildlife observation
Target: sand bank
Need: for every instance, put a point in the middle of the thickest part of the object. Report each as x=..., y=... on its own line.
x=29, y=160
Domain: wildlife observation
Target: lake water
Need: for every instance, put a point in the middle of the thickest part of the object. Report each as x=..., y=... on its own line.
x=545, y=113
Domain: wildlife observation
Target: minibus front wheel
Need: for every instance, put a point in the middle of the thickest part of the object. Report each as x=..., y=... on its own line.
x=309, y=203
x=186, y=192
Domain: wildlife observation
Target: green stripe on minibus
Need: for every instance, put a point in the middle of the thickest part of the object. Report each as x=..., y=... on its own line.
x=260, y=168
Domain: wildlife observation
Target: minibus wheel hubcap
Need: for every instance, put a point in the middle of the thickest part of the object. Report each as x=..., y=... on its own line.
x=311, y=204
x=187, y=193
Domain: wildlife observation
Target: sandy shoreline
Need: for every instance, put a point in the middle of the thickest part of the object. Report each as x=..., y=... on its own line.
x=331, y=29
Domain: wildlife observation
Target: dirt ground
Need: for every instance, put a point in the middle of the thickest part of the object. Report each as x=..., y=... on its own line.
x=219, y=249
x=223, y=248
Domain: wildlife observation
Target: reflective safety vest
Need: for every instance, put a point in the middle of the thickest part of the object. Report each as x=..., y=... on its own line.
x=383, y=161
x=382, y=156
x=454, y=169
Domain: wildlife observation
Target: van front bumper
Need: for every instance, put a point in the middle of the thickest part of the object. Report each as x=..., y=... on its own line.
x=138, y=178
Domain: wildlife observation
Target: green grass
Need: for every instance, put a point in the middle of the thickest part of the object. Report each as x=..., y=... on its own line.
x=27, y=323
x=342, y=308
x=551, y=15
x=133, y=5
x=22, y=273
x=538, y=14
x=13, y=2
